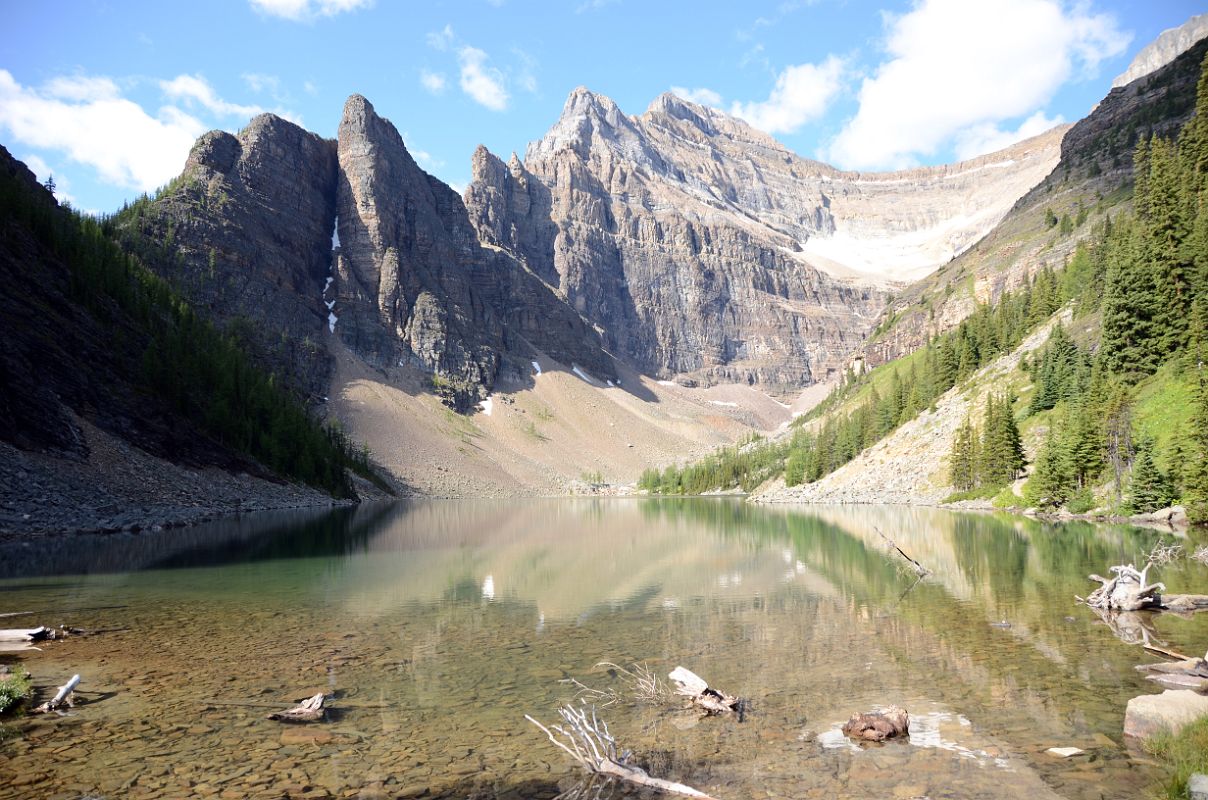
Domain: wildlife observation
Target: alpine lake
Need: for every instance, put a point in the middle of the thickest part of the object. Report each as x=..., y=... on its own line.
x=436, y=626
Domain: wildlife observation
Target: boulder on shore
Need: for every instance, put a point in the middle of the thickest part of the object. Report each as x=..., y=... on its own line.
x=1151, y=714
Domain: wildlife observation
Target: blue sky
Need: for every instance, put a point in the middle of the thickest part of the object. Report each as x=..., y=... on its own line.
x=108, y=95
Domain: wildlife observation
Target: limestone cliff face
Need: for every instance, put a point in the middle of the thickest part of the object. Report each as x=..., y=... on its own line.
x=704, y=249
x=406, y=261
x=245, y=234
x=510, y=208
x=413, y=283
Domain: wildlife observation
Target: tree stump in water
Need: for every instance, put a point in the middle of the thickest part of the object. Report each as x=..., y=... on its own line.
x=877, y=726
x=1128, y=591
x=309, y=710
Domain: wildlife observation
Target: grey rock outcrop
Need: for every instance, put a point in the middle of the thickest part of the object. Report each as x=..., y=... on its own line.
x=510, y=208
x=1170, y=44
x=406, y=261
x=414, y=284
x=704, y=249
x=244, y=233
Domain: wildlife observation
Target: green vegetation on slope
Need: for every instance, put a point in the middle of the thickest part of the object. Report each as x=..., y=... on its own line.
x=1132, y=408
x=197, y=371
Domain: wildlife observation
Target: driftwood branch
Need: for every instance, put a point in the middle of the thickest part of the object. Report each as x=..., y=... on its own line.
x=62, y=698
x=24, y=634
x=309, y=710
x=919, y=569
x=712, y=701
x=585, y=738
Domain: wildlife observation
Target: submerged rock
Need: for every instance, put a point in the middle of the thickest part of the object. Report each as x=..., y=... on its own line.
x=1151, y=714
x=877, y=726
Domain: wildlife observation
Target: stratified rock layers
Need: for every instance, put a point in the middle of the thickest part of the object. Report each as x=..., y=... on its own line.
x=703, y=248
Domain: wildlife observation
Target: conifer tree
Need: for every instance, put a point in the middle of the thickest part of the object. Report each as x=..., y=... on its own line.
x=963, y=462
x=1129, y=345
x=1051, y=482
x=1150, y=489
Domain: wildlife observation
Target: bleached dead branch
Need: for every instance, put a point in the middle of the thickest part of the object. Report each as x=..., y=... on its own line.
x=587, y=740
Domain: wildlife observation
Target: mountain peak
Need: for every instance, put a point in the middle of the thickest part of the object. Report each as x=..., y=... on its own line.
x=1170, y=44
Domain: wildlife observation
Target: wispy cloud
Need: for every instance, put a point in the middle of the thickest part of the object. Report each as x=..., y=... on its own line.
x=194, y=89
x=440, y=40
x=525, y=74
x=594, y=5
x=307, y=10
x=703, y=96
x=483, y=83
x=434, y=82
x=933, y=89
x=802, y=94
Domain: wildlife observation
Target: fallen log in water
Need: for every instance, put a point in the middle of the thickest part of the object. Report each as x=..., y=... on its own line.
x=589, y=743
x=62, y=698
x=309, y=710
x=919, y=569
x=24, y=634
x=712, y=701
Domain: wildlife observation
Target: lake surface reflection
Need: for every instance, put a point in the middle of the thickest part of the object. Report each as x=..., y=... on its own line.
x=439, y=625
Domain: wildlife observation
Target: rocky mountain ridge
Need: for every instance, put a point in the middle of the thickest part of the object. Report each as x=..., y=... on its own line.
x=1093, y=178
x=247, y=231
x=1170, y=44
x=705, y=250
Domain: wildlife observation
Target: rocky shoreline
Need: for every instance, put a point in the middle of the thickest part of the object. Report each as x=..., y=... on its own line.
x=119, y=487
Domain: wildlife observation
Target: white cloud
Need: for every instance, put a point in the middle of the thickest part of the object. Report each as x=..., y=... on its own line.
x=483, y=83
x=82, y=87
x=986, y=137
x=434, y=82
x=594, y=5
x=195, y=89
x=440, y=40
x=957, y=70
x=525, y=76
x=125, y=144
x=310, y=88
x=802, y=94
x=705, y=97
x=307, y=10
x=259, y=82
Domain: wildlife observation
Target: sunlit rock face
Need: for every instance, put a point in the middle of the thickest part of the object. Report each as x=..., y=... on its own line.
x=1170, y=44
x=415, y=284
x=705, y=249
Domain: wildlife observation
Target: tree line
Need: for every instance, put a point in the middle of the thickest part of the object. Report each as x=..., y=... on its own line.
x=202, y=373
